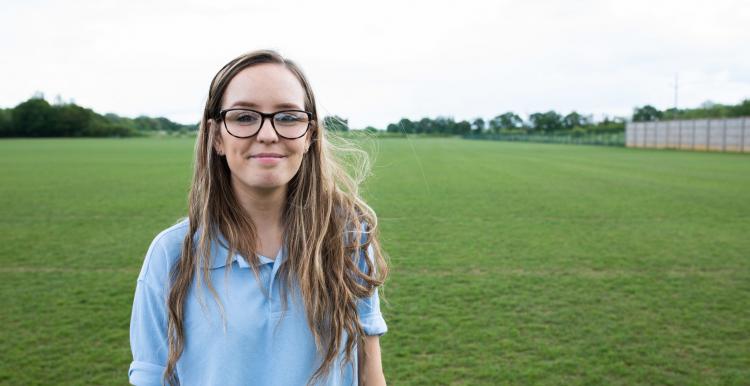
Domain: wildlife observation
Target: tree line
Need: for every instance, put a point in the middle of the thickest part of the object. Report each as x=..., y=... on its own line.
x=706, y=110
x=38, y=118
x=552, y=122
x=509, y=122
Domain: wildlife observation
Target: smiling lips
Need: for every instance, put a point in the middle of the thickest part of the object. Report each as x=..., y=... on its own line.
x=267, y=155
x=267, y=158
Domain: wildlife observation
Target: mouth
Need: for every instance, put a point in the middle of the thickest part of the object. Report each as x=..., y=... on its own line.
x=267, y=155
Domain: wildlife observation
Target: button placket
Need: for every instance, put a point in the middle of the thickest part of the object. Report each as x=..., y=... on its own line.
x=274, y=301
x=266, y=270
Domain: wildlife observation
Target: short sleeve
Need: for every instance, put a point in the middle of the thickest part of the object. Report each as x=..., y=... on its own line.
x=148, y=327
x=369, y=308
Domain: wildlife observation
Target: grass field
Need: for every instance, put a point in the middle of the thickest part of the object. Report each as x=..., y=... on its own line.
x=512, y=263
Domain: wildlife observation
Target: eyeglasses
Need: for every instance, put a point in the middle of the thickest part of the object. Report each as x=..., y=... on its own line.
x=245, y=123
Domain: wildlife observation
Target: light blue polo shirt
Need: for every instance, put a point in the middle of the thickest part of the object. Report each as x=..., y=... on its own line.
x=259, y=347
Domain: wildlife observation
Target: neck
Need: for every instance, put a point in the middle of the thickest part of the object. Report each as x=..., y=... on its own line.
x=264, y=206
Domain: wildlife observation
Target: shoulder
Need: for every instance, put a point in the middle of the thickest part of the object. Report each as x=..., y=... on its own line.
x=353, y=232
x=162, y=254
x=364, y=234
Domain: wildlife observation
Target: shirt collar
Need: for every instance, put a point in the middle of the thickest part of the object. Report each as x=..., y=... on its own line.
x=220, y=248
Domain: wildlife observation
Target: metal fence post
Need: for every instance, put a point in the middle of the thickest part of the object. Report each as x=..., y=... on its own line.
x=692, y=145
x=724, y=136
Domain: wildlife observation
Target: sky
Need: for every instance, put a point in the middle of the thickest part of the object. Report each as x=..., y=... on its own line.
x=377, y=62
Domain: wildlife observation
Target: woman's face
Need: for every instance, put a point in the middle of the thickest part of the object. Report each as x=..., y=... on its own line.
x=266, y=88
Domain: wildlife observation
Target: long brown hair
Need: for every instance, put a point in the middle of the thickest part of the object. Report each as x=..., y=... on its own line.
x=323, y=222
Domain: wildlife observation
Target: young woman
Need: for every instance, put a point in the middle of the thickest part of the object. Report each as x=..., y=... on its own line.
x=277, y=235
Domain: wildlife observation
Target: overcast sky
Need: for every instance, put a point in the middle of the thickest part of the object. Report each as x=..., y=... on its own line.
x=379, y=61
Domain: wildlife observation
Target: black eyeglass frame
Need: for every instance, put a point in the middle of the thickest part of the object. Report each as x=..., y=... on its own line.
x=263, y=116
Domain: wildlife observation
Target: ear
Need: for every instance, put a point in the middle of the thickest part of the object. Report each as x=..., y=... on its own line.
x=218, y=144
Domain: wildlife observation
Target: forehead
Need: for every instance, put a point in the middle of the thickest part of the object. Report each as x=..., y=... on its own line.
x=264, y=86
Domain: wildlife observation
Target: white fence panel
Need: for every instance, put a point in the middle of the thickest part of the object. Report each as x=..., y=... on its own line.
x=731, y=134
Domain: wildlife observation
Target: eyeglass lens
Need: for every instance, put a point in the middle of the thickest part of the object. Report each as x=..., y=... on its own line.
x=246, y=123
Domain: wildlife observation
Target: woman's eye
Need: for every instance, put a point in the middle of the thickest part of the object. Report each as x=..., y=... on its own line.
x=286, y=117
x=246, y=118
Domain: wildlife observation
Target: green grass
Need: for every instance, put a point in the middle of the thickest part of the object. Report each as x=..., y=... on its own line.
x=512, y=263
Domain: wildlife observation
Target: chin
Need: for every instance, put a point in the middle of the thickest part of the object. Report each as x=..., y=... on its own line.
x=261, y=182
x=273, y=183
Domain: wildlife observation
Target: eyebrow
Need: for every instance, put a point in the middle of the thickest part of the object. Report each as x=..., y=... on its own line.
x=284, y=105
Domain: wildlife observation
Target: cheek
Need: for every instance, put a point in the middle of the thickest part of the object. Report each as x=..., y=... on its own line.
x=233, y=149
x=298, y=162
x=236, y=164
x=234, y=156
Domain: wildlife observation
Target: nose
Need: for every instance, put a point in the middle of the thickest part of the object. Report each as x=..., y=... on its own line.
x=266, y=133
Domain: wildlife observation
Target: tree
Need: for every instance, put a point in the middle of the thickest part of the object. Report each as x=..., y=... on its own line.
x=646, y=113
x=425, y=125
x=407, y=126
x=6, y=123
x=167, y=125
x=463, y=128
x=546, y=122
x=609, y=125
x=144, y=123
x=740, y=110
x=33, y=118
x=574, y=120
x=444, y=125
x=478, y=125
x=507, y=121
x=336, y=123
x=70, y=120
